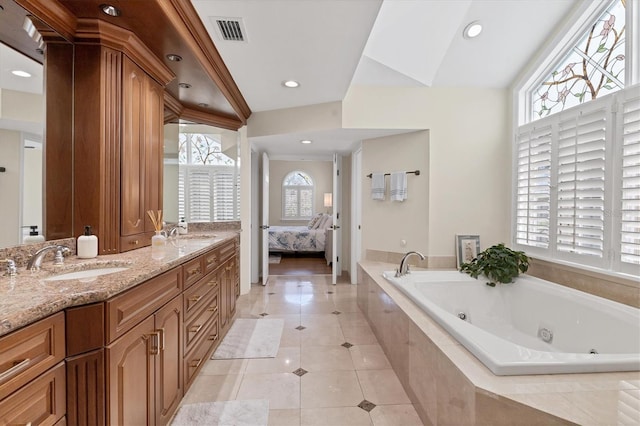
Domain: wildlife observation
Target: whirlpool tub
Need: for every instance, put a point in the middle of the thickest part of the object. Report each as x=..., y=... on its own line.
x=531, y=326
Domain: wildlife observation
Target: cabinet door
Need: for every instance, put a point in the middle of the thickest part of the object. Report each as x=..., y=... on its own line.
x=168, y=383
x=132, y=209
x=231, y=274
x=153, y=147
x=224, y=297
x=130, y=376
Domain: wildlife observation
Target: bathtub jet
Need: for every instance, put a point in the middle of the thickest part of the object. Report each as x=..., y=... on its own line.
x=531, y=326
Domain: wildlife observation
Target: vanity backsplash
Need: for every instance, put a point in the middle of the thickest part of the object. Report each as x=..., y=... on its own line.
x=21, y=254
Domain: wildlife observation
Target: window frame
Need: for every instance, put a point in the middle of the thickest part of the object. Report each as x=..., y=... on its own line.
x=582, y=19
x=298, y=189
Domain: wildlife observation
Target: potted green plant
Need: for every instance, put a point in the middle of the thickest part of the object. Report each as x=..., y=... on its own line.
x=498, y=263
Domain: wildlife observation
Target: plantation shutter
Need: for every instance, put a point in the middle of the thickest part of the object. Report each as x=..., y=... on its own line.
x=290, y=202
x=182, y=194
x=630, y=197
x=581, y=184
x=533, y=186
x=199, y=198
x=306, y=202
x=223, y=198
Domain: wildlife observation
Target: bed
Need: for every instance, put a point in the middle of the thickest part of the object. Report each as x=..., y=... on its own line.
x=307, y=238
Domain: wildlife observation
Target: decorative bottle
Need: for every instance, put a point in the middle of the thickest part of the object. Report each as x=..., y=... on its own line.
x=158, y=245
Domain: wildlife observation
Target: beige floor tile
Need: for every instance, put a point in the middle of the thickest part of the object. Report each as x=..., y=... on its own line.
x=282, y=308
x=284, y=417
x=369, y=357
x=330, y=389
x=382, y=387
x=281, y=389
x=359, y=335
x=347, y=416
x=321, y=336
x=352, y=319
x=325, y=358
x=290, y=337
x=224, y=366
x=210, y=388
x=395, y=415
x=286, y=361
x=319, y=320
x=318, y=308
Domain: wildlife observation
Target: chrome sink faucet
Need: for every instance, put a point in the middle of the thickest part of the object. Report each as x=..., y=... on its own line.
x=36, y=260
x=12, y=270
x=404, y=263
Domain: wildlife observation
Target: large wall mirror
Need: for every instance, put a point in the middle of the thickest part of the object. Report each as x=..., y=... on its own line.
x=201, y=173
x=22, y=123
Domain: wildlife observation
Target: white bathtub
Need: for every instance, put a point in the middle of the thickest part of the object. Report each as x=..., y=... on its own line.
x=505, y=325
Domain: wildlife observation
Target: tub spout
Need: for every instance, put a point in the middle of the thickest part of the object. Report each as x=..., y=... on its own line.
x=404, y=264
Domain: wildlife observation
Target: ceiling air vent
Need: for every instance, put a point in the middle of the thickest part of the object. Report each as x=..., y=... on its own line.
x=230, y=29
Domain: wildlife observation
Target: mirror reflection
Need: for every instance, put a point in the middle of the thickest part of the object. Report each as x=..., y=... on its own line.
x=201, y=173
x=22, y=114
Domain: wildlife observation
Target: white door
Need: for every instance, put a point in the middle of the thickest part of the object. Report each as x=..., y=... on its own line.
x=265, y=218
x=356, y=213
x=337, y=219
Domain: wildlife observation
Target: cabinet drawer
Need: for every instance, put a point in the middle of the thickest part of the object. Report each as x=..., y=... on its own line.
x=211, y=260
x=133, y=242
x=41, y=402
x=194, y=361
x=198, y=294
x=30, y=351
x=192, y=271
x=198, y=325
x=227, y=250
x=128, y=309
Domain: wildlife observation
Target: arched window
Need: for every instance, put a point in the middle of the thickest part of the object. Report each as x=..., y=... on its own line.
x=589, y=69
x=297, y=196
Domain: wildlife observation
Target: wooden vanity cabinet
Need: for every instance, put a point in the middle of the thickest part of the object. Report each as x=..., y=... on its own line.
x=32, y=373
x=141, y=156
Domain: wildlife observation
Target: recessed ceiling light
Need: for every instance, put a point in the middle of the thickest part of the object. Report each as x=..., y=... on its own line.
x=173, y=57
x=20, y=73
x=110, y=10
x=472, y=30
x=305, y=141
x=292, y=84
x=185, y=85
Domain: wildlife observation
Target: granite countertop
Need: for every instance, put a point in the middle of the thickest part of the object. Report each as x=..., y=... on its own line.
x=585, y=398
x=27, y=297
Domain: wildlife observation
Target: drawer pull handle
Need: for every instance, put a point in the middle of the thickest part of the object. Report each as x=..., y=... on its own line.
x=213, y=309
x=17, y=367
x=212, y=260
x=196, y=363
x=213, y=337
x=193, y=272
x=134, y=242
x=228, y=268
x=154, y=349
x=195, y=299
x=195, y=328
x=213, y=283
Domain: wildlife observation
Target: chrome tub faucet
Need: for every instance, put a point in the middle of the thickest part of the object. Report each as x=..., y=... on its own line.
x=404, y=263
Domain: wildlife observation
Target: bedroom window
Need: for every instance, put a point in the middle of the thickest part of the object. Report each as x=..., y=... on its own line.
x=207, y=180
x=576, y=151
x=297, y=196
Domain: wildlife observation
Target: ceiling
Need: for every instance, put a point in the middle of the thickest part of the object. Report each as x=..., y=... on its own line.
x=329, y=45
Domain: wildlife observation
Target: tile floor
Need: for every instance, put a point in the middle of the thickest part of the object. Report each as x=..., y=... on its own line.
x=330, y=369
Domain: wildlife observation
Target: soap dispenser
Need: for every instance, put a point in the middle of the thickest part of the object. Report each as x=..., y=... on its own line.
x=182, y=226
x=87, y=244
x=33, y=236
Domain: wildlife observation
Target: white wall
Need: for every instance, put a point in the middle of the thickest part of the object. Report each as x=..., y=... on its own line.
x=469, y=158
x=170, y=176
x=245, y=210
x=32, y=188
x=392, y=225
x=320, y=171
x=291, y=120
x=345, y=259
x=10, y=158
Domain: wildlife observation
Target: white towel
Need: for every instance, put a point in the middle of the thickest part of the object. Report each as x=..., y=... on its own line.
x=398, y=185
x=377, y=186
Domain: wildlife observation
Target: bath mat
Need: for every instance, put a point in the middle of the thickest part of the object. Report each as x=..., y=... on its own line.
x=275, y=258
x=251, y=338
x=237, y=413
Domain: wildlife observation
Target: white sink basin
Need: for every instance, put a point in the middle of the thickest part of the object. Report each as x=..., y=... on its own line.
x=86, y=274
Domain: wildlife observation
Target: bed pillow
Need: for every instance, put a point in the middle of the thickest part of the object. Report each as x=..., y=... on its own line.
x=327, y=224
x=314, y=220
x=322, y=222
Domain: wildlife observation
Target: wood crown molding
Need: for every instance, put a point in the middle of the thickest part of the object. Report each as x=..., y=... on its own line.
x=53, y=14
x=229, y=123
x=97, y=31
x=187, y=22
x=172, y=104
